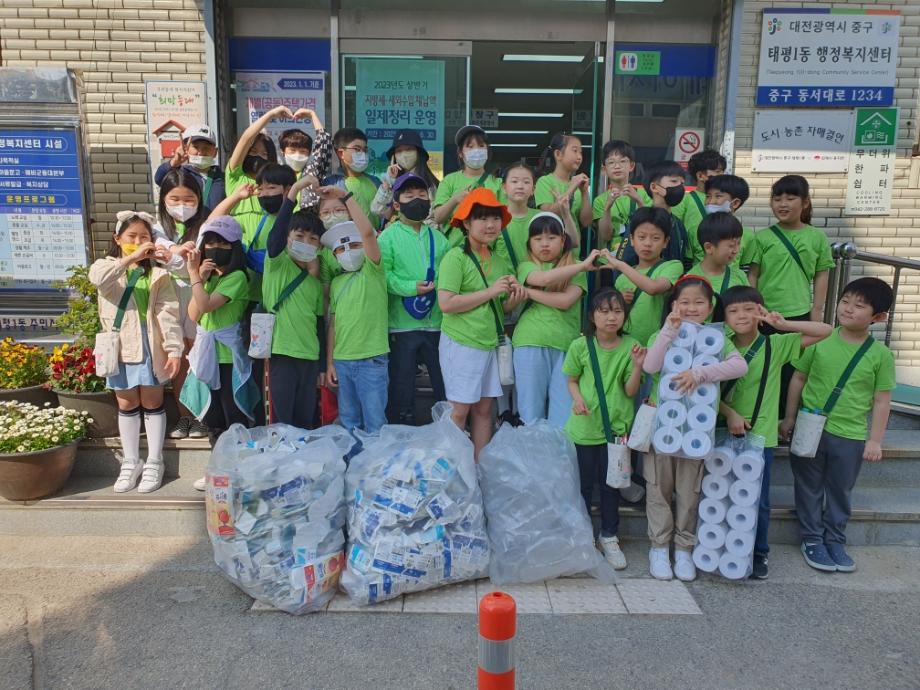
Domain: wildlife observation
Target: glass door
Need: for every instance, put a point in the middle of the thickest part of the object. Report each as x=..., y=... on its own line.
x=586, y=101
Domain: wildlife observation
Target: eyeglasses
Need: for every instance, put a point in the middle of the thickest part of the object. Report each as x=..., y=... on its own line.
x=617, y=162
x=356, y=149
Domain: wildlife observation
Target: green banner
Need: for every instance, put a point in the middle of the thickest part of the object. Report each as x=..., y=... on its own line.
x=646, y=63
x=876, y=127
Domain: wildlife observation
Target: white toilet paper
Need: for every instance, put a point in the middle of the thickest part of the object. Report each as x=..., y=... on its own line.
x=677, y=359
x=672, y=413
x=704, y=360
x=741, y=518
x=709, y=341
x=667, y=440
x=686, y=335
x=734, y=567
x=714, y=510
x=705, y=394
x=701, y=418
x=748, y=466
x=715, y=486
x=739, y=543
x=665, y=389
x=712, y=536
x=720, y=461
x=705, y=559
x=696, y=444
x=744, y=493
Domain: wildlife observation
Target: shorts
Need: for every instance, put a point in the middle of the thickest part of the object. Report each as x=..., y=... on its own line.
x=470, y=374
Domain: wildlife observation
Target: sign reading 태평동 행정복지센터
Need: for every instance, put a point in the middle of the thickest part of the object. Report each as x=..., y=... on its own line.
x=870, y=177
x=827, y=57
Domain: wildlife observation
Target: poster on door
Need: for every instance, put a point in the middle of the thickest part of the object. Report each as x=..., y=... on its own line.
x=870, y=177
x=259, y=92
x=395, y=94
x=687, y=142
x=802, y=141
x=172, y=106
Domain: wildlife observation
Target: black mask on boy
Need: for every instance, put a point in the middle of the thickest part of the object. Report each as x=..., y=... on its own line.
x=673, y=195
x=271, y=204
x=416, y=210
x=253, y=164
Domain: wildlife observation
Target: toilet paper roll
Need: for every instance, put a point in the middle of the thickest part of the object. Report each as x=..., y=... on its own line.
x=741, y=518
x=701, y=418
x=709, y=341
x=704, y=360
x=712, y=536
x=739, y=543
x=677, y=359
x=705, y=394
x=744, y=493
x=667, y=440
x=672, y=413
x=705, y=559
x=714, y=510
x=748, y=466
x=720, y=461
x=665, y=391
x=715, y=486
x=686, y=335
x=696, y=444
x=734, y=567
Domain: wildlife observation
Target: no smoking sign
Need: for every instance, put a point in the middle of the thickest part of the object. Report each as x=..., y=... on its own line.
x=687, y=141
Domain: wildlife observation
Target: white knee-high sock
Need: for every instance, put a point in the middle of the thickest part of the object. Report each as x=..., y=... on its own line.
x=155, y=424
x=129, y=429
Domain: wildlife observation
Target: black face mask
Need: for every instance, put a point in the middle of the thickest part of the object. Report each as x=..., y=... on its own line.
x=219, y=255
x=417, y=209
x=253, y=164
x=271, y=204
x=673, y=195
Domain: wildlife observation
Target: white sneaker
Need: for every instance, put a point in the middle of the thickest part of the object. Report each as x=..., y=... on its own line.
x=610, y=547
x=683, y=566
x=200, y=484
x=152, y=476
x=633, y=493
x=659, y=564
x=130, y=472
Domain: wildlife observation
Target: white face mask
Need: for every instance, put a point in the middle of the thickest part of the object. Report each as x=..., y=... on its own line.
x=202, y=162
x=301, y=251
x=297, y=161
x=406, y=159
x=358, y=161
x=476, y=158
x=715, y=208
x=182, y=213
x=335, y=219
x=351, y=259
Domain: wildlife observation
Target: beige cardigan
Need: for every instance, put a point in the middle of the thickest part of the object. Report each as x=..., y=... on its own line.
x=163, y=325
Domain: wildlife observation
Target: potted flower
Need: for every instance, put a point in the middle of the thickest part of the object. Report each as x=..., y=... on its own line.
x=74, y=379
x=23, y=372
x=38, y=446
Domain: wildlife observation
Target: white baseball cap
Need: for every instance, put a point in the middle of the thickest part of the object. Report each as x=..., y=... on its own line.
x=199, y=131
x=341, y=234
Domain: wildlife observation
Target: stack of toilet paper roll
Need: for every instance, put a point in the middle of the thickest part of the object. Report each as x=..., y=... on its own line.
x=728, y=511
x=684, y=424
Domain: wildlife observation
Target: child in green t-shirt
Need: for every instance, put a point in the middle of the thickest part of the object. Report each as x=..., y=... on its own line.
x=720, y=237
x=561, y=182
x=612, y=209
x=517, y=184
x=692, y=210
x=358, y=346
x=728, y=193
x=619, y=360
x=751, y=404
x=350, y=144
x=823, y=484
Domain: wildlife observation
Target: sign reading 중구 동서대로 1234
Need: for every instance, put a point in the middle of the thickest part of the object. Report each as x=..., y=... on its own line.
x=828, y=57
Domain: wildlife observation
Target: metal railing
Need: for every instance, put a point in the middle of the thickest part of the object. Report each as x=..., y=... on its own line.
x=844, y=254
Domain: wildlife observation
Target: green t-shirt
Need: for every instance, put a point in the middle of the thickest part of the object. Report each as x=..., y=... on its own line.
x=543, y=193
x=616, y=367
x=784, y=286
x=656, y=377
x=784, y=348
x=453, y=183
x=519, y=233
x=329, y=266
x=141, y=295
x=645, y=310
x=359, y=301
x=249, y=214
x=749, y=254
x=406, y=259
x=295, y=321
x=824, y=363
x=458, y=274
x=364, y=189
x=620, y=212
x=731, y=277
x=544, y=326
x=235, y=287
x=690, y=211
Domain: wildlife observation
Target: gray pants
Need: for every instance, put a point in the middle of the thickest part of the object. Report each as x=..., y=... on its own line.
x=823, y=485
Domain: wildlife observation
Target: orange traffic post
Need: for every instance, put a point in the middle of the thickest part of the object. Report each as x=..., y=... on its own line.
x=497, y=628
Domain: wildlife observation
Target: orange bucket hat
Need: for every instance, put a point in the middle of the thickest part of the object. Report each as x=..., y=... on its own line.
x=482, y=197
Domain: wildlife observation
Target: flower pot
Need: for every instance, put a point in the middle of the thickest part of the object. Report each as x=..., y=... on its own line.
x=29, y=476
x=36, y=395
x=102, y=407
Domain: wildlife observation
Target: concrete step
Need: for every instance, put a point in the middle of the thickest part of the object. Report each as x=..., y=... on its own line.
x=101, y=457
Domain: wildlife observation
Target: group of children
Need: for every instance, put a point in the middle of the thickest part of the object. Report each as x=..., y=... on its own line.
x=574, y=301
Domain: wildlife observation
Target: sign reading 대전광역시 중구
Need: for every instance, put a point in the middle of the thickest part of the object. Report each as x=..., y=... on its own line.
x=870, y=176
x=828, y=57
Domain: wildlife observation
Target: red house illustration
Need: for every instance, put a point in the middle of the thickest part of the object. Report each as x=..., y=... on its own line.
x=169, y=136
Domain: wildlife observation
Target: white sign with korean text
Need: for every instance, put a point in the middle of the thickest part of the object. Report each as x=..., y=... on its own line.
x=172, y=106
x=259, y=92
x=870, y=178
x=819, y=57
x=800, y=141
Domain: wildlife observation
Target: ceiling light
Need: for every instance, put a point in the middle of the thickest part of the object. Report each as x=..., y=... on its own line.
x=544, y=92
x=512, y=57
x=533, y=115
x=517, y=131
x=513, y=146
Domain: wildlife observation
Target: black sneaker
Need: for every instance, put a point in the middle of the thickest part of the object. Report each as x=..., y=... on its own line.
x=760, y=571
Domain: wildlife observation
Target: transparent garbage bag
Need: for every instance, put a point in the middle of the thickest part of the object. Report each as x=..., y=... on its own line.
x=415, y=518
x=538, y=526
x=276, y=511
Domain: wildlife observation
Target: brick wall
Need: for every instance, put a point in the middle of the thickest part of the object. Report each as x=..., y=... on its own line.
x=116, y=45
x=897, y=234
